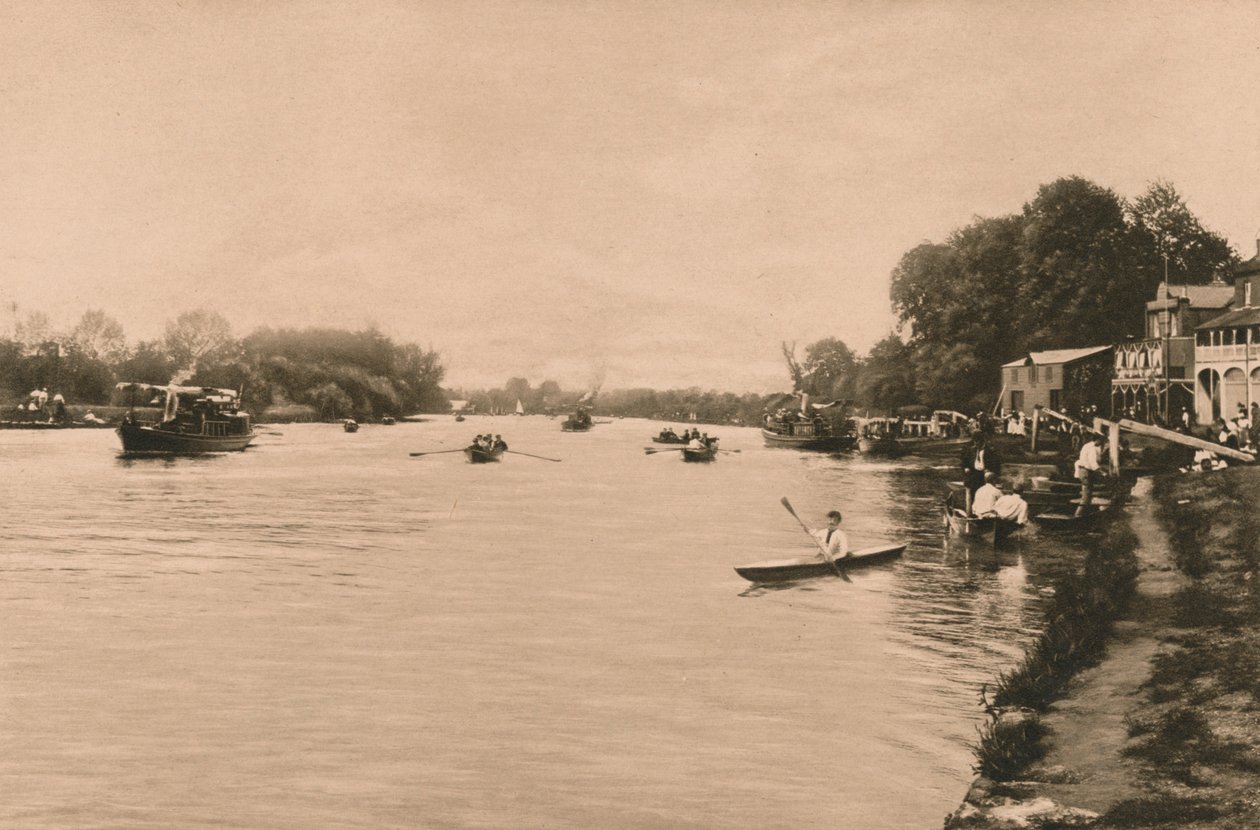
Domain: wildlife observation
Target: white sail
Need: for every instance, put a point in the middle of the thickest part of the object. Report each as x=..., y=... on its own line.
x=520, y=410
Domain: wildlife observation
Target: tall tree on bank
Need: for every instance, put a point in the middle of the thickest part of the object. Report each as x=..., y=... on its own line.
x=828, y=370
x=1168, y=236
x=887, y=380
x=1073, y=269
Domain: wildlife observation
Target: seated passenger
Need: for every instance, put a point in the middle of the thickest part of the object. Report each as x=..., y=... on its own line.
x=986, y=496
x=1012, y=507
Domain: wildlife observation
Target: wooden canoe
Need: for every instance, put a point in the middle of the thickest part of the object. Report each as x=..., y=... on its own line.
x=787, y=570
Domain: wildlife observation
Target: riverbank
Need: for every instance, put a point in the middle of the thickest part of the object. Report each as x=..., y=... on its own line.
x=1165, y=730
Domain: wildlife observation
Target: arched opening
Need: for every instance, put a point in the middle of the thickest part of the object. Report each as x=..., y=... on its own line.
x=1234, y=392
x=1207, y=396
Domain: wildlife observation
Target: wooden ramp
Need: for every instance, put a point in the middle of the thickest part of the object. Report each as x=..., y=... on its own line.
x=1100, y=425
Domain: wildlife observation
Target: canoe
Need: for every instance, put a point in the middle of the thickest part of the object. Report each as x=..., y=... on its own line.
x=476, y=455
x=707, y=454
x=786, y=570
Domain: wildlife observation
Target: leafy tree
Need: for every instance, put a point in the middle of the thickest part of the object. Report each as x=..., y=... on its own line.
x=98, y=336
x=1077, y=288
x=830, y=368
x=1168, y=233
x=887, y=378
x=195, y=336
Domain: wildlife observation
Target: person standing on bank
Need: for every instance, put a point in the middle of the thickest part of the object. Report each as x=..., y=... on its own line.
x=1088, y=470
x=832, y=538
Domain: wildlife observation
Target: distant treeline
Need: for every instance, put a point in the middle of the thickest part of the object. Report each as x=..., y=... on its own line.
x=304, y=374
x=670, y=405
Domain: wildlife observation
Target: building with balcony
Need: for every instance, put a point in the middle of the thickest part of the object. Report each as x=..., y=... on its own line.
x=1153, y=378
x=1065, y=380
x=1227, y=350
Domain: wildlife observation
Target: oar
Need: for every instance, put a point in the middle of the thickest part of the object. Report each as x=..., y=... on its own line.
x=434, y=452
x=784, y=501
x=543, y=457
x=652, y=450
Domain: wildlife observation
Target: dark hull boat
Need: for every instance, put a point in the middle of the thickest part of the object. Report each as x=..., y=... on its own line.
x=195, y=420
x=476, y=455
x=699, y=456
x=156, y=439
x=668, y=440
x=803, y=437
x=959, y=523
x=1065, y=520
x=879, y=445
x=787, y=570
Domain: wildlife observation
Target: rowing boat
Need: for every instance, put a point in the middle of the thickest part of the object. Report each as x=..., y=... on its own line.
x=786, y=570
x=960, y=523
x=1062, y=521
x=478, y=455
x=699, y=455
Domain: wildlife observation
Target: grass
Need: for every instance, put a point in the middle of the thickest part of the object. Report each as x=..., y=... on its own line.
x=1009, y=746
x=1078, y=623
x=1165, y=810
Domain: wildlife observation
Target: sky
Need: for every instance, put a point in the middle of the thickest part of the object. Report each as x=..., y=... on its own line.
x=616, y=194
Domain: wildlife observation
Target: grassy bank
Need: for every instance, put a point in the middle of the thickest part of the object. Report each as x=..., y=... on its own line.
x=1178, y=740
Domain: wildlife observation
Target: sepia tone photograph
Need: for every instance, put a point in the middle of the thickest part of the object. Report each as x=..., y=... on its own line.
x=636, y=415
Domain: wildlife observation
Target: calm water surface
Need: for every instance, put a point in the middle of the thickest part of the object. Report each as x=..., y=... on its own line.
x=324, y=632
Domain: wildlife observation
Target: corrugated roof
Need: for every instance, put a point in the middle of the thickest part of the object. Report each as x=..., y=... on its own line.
x=1248, y=316
x=1055, y=356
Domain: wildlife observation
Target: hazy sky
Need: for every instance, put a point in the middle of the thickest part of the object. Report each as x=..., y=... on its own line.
x=628, y=193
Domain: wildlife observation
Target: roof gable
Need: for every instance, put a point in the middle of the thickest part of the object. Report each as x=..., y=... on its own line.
x=1055, y=356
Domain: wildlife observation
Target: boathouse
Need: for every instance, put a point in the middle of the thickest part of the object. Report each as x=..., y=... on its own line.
x=1065, y=380
x=1227, y=349
x=1155, y=376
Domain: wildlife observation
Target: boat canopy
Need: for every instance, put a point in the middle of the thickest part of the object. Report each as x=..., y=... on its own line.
x=208, y=392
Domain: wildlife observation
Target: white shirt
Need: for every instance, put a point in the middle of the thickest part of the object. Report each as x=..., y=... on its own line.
x=986, y=496
x=1088, y=459
x=1012, y=508
x=837, y=547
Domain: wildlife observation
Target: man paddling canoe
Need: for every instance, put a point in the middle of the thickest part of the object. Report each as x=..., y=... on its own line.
x=832, y=538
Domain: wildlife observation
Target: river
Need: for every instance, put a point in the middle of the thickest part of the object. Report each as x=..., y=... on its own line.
x=325, y=632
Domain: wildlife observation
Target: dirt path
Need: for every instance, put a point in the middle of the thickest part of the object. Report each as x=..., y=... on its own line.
x=1089, y=729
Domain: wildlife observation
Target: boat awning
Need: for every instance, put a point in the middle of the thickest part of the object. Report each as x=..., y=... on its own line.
x=200, y=391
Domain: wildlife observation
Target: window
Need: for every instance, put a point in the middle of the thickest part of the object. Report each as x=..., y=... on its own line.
x=1247, y=293
x=1054, y=400
x=1049, y=374
x=1014, y=376
x=1032, y=374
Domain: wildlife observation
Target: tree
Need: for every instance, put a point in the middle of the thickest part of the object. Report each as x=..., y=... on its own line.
x=1167, y=233
x=1078, y=287
x=196, y=335
x=887, y=378
x=99, y=337
x=830, y=367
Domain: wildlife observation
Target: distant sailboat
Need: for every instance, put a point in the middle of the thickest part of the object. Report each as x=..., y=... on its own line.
x=520, y=410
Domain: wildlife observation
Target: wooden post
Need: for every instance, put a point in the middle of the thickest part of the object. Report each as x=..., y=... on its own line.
x=1035, y=426
x=1113, y=439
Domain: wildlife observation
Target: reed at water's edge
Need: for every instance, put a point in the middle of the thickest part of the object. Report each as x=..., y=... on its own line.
x=1085, y=607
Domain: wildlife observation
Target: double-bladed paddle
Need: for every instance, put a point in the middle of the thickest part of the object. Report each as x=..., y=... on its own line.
x=840, y=573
